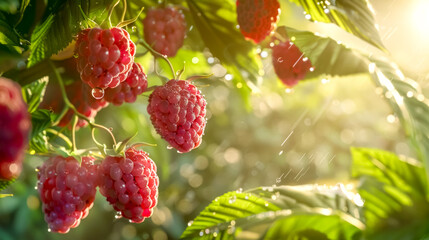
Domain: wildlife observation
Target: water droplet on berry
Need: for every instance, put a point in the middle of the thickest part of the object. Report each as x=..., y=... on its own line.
x=118, y=215
x=169, y=147
x=97, y=93
x=190, y=223
x=232, y=199
x=280, y=59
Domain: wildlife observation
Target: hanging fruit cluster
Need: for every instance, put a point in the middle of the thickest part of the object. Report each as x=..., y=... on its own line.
x=105, y=63
x=258, y=20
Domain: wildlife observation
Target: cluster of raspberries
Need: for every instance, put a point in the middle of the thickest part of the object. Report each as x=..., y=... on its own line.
x=257, y=20
x=67, y=188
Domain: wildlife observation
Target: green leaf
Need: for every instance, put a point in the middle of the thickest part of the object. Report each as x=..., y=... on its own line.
x=265, y=213
x=394, y=189
x=408, y=103
x=354, y=16
x=41, y=119
x=216, y=23
x=4, y=184
x=403, y=94
x=39, y=143
x=10, y=6
x=8, y=35
x=326, y=55
x=33, y=93
x=63, y=22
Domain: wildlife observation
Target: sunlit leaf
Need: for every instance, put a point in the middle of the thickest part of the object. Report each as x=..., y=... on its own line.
x=394, y=189
x=264, y=212
x=216, y=22
x=33, y=93
x=354, y=16
x=62, y=22
x=326, y=55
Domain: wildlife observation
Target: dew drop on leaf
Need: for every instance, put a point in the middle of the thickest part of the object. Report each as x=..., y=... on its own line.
x=190, y=223
x=97, y=93
x=232, y=199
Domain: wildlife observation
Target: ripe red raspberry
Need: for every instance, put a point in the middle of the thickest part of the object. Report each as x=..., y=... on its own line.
x=67, y=191
x=289, y=63
x=104, y=56
x=257, y=18
x=79, y=95
x=134, y=85
x=130, y=184
x=14, y=128
x=164, y=30
x=177, y=111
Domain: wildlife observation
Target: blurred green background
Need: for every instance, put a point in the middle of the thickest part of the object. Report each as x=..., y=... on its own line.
x=292, y=136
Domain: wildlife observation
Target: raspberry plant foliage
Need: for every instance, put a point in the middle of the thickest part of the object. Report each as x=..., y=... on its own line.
x=31, y=40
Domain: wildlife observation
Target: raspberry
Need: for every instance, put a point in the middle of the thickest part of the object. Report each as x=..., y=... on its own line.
x=67, y=191
x=14, y=128
x=104, y=56
x=80, y=96
x=134, y=85
x=130, y=184
x=257, y=18
x=289, y=63
x=177, y=111
x=164, y=30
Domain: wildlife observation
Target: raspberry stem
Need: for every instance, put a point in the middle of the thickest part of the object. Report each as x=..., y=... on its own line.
x=157, y=55
x=60, y=135
x=124, y=11
x=71, y=106
x=75, y=119
x=61, y=115
x=108, y=24
x=192, y=78
x=129, y=21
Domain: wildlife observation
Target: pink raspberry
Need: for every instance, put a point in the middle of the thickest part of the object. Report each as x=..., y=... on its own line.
x=14, y=129
x=164, y=30
x=80, y=96
x=257, y=18
x=104, y=56
x=130, y=184
x=67, y=191
x=289, y=63
x=177, y=111
x=134, y=85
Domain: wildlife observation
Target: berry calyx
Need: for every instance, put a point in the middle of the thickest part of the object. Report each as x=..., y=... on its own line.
x=289, y=63
x=127, y=91
x=164, y=30
x=257, y=18
x=104, y=56
x=67, y=190
x=130, y=184
x=14, y=129
x=177, y=111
